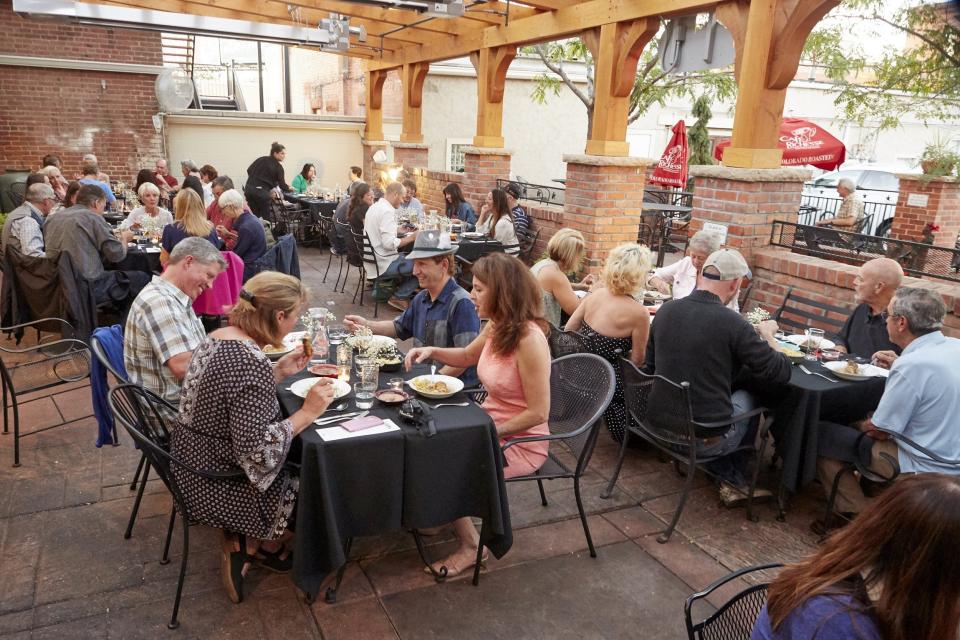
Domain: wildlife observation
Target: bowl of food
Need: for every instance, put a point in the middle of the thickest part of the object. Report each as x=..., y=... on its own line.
x=324, y=370
x=390, y=362
x=437, y=386
x=795, y=356
x=392, y=396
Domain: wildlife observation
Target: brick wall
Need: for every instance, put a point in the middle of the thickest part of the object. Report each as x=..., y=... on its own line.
x=936, y=200
x=67, y=111
x=430, y=186
x=776, y=270
x=482, y=167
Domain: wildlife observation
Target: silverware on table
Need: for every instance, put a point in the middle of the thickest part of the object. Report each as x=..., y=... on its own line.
x=448, y=404
x=814, y=373
x=342, y=416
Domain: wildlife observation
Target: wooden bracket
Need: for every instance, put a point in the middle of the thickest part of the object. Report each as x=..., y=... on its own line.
x=413, y=76
x=491, y=65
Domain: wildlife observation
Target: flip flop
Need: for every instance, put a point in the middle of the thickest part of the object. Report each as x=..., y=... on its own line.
x=275, y=560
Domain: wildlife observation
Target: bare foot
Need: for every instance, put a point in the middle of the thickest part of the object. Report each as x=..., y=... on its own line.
x=458, y=562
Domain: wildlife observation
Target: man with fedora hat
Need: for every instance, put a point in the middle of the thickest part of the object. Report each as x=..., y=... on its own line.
x=442, y=314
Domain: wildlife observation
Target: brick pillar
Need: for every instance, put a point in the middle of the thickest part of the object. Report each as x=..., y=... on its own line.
x=746, y=202
x=370, y=168
x=926, y=200
x=482, y=167
x=410, y=155
x=603, y=201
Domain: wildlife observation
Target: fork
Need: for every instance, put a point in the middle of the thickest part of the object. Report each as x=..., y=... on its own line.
x=449, y=404
x=814, y=373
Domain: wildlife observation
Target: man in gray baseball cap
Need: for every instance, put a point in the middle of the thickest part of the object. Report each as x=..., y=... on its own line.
x=442, y=314
x=698, y=339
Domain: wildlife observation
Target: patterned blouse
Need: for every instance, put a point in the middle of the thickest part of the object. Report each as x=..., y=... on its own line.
x=230, y=421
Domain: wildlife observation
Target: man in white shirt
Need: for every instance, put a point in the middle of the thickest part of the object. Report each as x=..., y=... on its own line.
x=23, y=228
x=380, y=225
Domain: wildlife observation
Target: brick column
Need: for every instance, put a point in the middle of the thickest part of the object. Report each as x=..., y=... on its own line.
x=603, y=201
x=926, y=200
x=410, y=155
x=482, y=167
x=746, y=202
x=370, y=147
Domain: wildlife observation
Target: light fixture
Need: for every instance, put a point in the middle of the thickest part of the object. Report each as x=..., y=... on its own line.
x=441, y=9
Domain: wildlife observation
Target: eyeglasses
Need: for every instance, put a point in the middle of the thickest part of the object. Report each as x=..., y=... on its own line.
x=886, y=315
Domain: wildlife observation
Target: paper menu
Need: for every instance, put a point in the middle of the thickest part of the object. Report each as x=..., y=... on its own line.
x=332, y=434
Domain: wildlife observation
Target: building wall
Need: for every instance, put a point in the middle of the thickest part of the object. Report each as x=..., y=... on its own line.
x=97, y=109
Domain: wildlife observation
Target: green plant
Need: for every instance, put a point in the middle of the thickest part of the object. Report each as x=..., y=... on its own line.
x=938, y=159
x=3, y=218
x=698, y=137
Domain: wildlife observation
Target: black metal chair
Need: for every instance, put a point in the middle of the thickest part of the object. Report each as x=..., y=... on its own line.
x=16, y=192
x=369, y=255
x=564, y=343
x=36, y=368
x=327, y=228
x=464, y=272
x=581, y=387
x=344, y=230
x=528, y=242
x=145, y=416
x=798, y=312
x=671, y=429
x=734, y=620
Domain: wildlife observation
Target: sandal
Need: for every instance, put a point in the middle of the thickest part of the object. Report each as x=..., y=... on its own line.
x=275, y=561
x=453, y=566
x=232, y=568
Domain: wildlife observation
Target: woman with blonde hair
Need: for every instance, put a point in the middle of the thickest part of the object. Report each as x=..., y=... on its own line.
x=565, y=251
x=150, y=214
x=190, y=219
x=513, y=363
x=614, y=323
x=230, y=420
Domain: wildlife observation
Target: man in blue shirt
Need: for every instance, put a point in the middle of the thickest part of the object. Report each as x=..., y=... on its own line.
x=442, y=314
x=90, y=176
x=921, y=400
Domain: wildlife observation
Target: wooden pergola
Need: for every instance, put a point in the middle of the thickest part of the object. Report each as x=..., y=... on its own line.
x=768, y=34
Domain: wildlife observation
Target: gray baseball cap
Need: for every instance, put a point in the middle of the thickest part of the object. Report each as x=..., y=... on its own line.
x=727, y=264
x=431, y=243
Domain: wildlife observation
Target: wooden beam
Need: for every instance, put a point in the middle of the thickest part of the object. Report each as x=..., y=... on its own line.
x=616, y=56
x=374, y=121
x=413, y=77
x=794, y=23
x=548, y=5
x=491, y=65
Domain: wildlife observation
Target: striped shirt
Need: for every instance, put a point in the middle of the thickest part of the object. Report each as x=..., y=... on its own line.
x=161, y=324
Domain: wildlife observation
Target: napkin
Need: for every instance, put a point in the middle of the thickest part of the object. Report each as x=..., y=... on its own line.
x=332, y=434
x=359, y=424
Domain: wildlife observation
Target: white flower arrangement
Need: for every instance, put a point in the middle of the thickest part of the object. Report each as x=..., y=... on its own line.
x=757, y=315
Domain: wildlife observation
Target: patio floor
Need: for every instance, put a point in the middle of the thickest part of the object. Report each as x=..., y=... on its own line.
x=67, y=571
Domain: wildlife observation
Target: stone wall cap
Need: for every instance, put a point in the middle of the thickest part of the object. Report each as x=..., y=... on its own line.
x=375, y=143
x=783, y=174
x=607, y=161
x=923, y=178
x=409, y=145
x=487, y=151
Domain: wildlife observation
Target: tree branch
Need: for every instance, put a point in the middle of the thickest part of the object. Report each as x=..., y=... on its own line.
x=917, y=34
x=557, y=68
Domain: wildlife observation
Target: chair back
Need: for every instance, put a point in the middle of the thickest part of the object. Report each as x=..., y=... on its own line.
x=581, y=388
x=367, y=252
x=672, y=424
x=146, y=417
x=224, y=291
x=799, y=312
x=733, y=620
x=528, y=241
x=564, y=343
x=16, y=193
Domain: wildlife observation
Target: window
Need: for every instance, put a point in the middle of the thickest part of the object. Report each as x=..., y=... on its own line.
x=879, y=181
x=455, y=147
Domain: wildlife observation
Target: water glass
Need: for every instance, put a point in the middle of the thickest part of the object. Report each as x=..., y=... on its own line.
x=321, y=345
x=370, y=373
x=396, y=384
x=344, y=362
x=363, y=394
x=337, y=333
x=813, y=343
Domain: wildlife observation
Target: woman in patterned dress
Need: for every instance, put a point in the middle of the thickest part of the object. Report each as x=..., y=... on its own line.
x=230, y=421
x=513, y=363
x=615, y=324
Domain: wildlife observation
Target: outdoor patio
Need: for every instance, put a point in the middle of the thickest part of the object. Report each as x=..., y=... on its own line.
x=68, y=572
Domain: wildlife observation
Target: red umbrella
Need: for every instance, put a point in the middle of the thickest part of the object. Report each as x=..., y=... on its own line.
x=671, y=171
x=803, y=143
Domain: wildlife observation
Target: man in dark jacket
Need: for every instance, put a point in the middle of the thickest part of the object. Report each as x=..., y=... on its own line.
x=697, y=339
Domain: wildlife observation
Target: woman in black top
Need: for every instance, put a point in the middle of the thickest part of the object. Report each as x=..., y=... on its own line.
x=265, y=174
x=360, y=201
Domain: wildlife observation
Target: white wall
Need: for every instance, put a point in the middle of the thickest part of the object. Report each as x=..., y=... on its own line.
x=230, y=142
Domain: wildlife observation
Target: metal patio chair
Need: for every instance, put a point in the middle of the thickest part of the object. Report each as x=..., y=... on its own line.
x=733, y=620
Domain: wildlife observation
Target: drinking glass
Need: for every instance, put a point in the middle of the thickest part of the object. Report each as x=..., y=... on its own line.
x=344, y=362
x=396, y=384
x=370, y=372
x=337, y=333
x=321, y=345
x=363, y=394
x=813, y=343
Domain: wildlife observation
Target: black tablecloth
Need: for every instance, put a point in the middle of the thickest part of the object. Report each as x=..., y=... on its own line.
x=802, y=404
x=399, y=480
x=474, y=249
x=138, y=260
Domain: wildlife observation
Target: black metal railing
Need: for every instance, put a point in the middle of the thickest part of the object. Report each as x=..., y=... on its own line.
x=536, y=192
x=813, y=209
x=667, y=195
x=917, y=259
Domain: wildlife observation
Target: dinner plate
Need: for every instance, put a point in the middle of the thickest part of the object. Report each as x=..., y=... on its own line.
x=290, y=341
x=301, y=387
x=472, y=234
x=799, y=339
x=377, y=342
x=454, y=385
x=865, y=372
x=656, y=295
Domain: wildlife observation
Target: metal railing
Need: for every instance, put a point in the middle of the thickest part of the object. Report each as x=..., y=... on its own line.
x=813, y=209
x=536, y=192
x=916, y=258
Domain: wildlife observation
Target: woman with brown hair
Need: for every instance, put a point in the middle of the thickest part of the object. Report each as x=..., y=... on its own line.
x=457, y=208
x=190, y=219
x=360, y=201
x=230, y=420
x=894, y=573
x=496, y=221
x=513, y=363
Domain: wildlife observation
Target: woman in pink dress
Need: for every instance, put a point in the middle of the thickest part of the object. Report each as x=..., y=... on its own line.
x=513, y=363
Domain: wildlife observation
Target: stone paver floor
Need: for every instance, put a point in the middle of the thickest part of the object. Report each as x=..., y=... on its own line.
x=66, y=571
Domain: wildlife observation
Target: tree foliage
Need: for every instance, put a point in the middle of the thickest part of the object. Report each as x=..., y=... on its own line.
x=698, y=137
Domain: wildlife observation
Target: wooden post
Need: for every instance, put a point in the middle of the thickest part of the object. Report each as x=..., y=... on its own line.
x=616, y=53
x=769, y=37
x=491, y=65
x=374, y=125
x=412, y=77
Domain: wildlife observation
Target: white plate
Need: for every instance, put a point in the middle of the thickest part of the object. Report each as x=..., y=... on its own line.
x=472, y=234
x=378, y=342
x=454, y=385
x=290, y=341
x=656, y=295
x=301, y=387
x=866, y=371
x=799, y=339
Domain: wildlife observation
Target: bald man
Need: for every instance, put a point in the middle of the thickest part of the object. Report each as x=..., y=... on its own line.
x=865, y=332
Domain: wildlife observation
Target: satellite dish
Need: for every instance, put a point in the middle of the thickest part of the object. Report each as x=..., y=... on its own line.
x=174, y=89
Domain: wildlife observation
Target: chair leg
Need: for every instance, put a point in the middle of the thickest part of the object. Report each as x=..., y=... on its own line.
x=543, y=495
x=687, y=486
x=16, y=431
x=359, y=290
x=616, y=472
x=329, y=262
x=5, y=426
x=336, y=284
x=583, y=517
x=136, y=503
x=165, y=558
x=832, y=499
x=136, y=475
x=174, y=623
x=753, y=481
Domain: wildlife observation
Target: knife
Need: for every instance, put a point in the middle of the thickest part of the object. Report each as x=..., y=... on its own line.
x=346, y=416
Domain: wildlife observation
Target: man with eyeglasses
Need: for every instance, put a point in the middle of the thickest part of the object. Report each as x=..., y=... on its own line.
x=23, y=228
x=921, y=401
